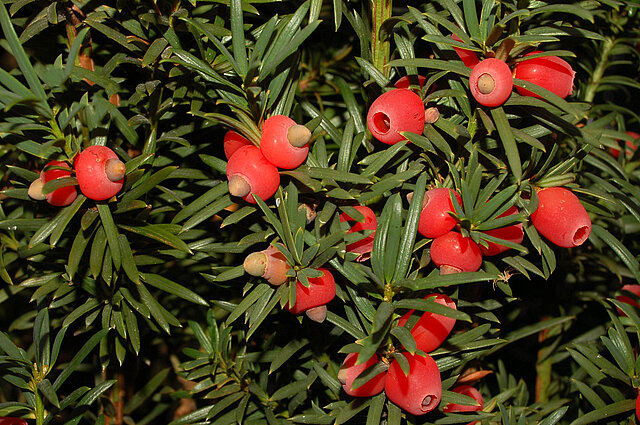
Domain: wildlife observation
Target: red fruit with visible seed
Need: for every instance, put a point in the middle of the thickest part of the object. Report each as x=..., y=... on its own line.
x=468, y=57
x=549, y=72
x=630, y=146
x=454, y=253
x=349, y=371
x=513, y=233
x=52, y=171
x=435, y=219
x=232, y=142
x=284, y=143
x=395, y=111
x=314, y=298
x=99, y=172
x=250, y=173
x=431, y=329
x=561, y=218
x=269, y=264
x=364, y=245
x=491, y=82
x=420, y=391
x=467, y=390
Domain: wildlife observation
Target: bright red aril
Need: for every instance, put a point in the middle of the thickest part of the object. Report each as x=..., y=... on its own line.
x=431, y=329
x=284, y=142
x=491, y=82
x=350, y=371
x=232, y=142
x=468, y=57
x=435, y=219
x=56, y=170
x=513, y=233
x=99, y=172
x=250, y=173
x=395, y=111
x=320, y=291
x=630, y=146
x=561, y=218
x=467, y=390
x=420, y=391
x=454, y=253
x=549, y=72
x=364, y=245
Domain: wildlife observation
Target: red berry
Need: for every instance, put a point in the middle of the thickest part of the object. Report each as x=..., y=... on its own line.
x=349, y=371
x=513, y=233
x=456, y=253
x=12, y=421
x=634, y=289
x=431, y=329
x=561, y=218
x=629, y=145
x=363, y=246
x=638, y=407
x=284, y=143
x=320, y=291
x=491, y=82
x=56, y=170
x=395, y=111
x=549, y=72
x=250, y=173
x=468, y=57
x=99, y=172
x=420, y=391
x=232, y=142
x=435, y=219
x=404, y=83
x=468, y=391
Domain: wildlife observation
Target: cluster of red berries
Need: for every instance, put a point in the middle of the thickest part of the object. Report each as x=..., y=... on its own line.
x=253, y=170
x=491, y=80
x=98, y=171
x=419, y=391
x=271, y=265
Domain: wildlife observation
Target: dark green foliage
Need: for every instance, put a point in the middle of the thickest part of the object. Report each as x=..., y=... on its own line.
x=137, y=309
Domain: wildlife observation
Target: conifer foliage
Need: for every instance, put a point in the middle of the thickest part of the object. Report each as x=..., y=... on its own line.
x=280, y=212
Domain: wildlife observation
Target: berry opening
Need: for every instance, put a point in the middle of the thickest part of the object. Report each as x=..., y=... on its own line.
x=445, y=269
x=429, y=403
x=581, y=235
x=486, y=83
x=381, y=122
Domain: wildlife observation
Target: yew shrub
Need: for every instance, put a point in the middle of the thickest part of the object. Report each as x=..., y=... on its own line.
x=133, y=305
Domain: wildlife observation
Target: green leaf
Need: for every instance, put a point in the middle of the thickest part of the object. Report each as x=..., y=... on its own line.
x=111, y=232
x=238, y=41
x=508, y=141
x=410, y=230
x=286, y=352
x=621, y=251
x=160, y=232
x=149, y=389
x=41, y=332
x=605, y=412
x=173, y=288
x=79, y=357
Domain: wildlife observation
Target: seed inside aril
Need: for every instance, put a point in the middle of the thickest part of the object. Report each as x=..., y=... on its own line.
x=255, y=264
x=429, y=402
x=382, y=122
x=317, y=314
x=35, y=190
x=115, y=169
x=298, y=135
x=238, y=186
x=449, y=270
x=486, y=83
